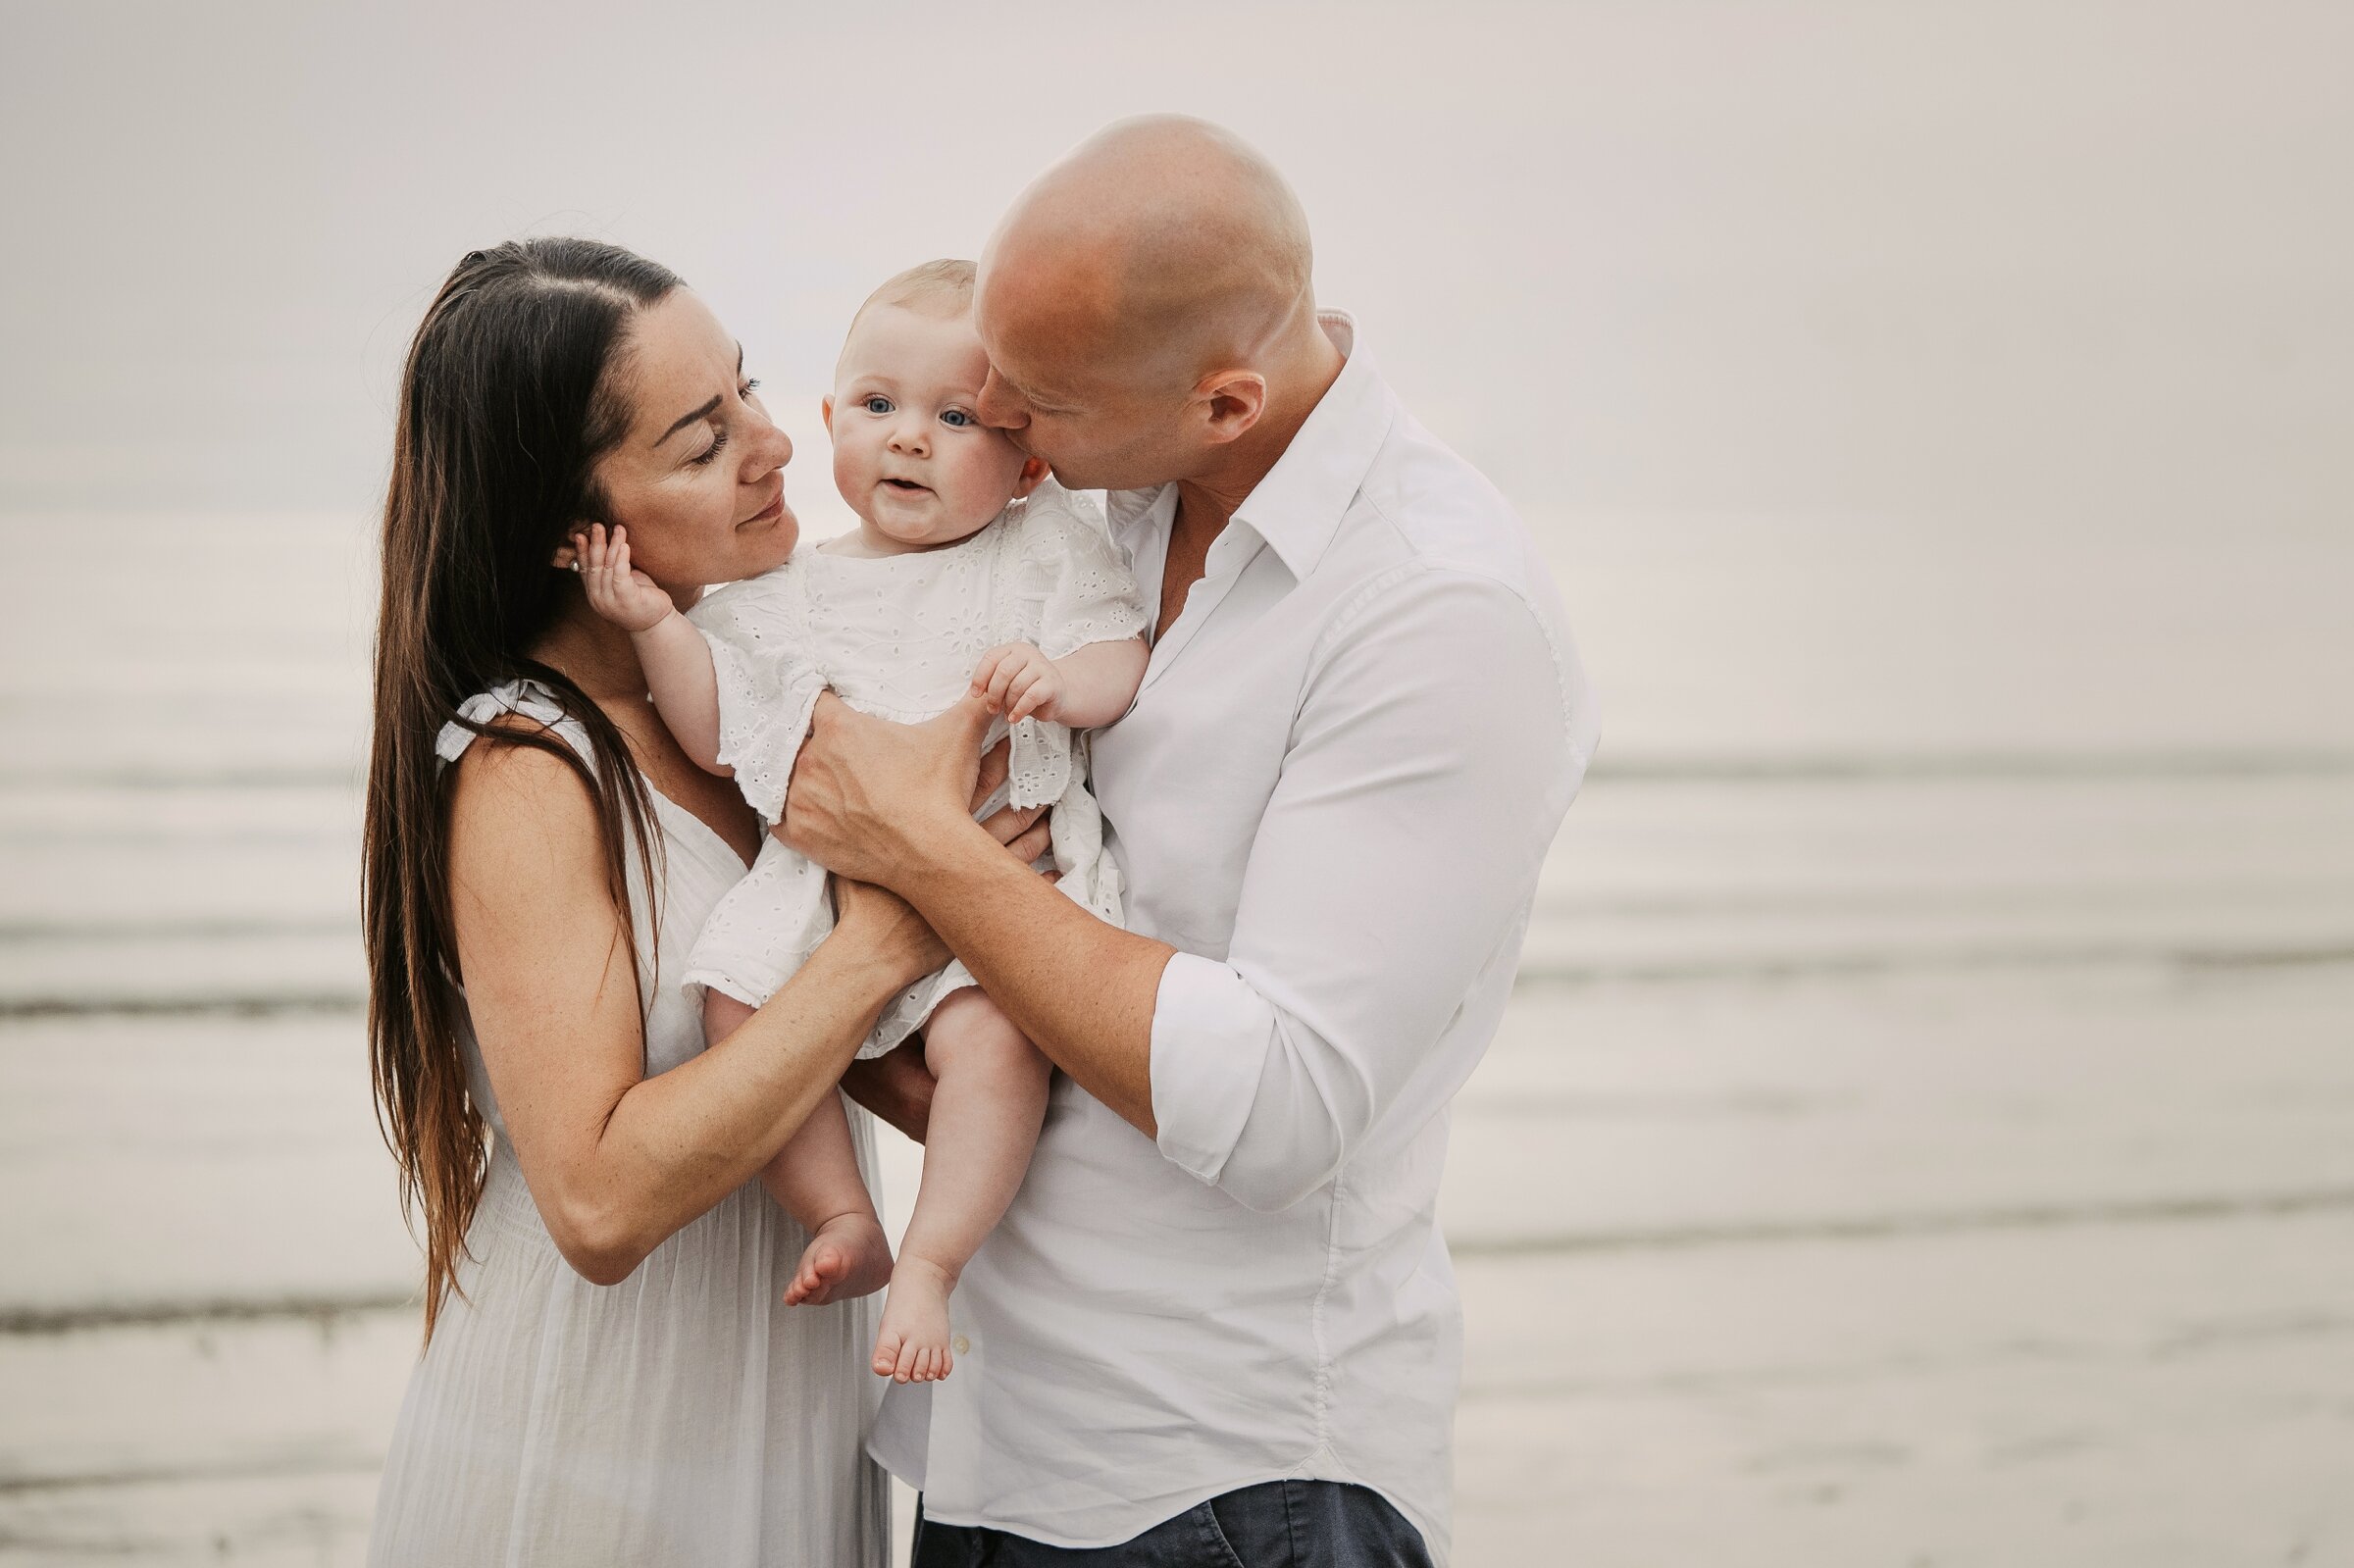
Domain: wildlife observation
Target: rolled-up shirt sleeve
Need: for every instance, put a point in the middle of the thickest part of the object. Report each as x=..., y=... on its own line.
x=1438, y=742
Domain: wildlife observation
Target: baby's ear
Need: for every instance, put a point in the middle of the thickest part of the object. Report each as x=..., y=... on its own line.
x=1033, y=470
x=824, y=412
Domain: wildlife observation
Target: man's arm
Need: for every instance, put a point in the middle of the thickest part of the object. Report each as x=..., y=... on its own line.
x=1430, y=765
x=1387, y=888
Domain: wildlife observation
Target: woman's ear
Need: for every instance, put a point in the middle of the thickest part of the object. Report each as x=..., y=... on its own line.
x=1034, y=471
x=567, y=557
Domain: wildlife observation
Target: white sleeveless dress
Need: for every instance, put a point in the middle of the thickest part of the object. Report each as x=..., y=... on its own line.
x=683, y=1417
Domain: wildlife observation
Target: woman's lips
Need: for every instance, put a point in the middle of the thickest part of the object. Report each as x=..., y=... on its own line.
x=770, y=512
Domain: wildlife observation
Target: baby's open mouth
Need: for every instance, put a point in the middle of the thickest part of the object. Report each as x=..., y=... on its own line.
x=906, y=484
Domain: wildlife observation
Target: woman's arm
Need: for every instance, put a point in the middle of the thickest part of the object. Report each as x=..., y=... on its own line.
x=617, y=1161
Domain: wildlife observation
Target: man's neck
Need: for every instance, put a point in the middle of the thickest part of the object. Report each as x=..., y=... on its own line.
x=1296, y=383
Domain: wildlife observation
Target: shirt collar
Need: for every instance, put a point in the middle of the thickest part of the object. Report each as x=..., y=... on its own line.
x=1297, y=508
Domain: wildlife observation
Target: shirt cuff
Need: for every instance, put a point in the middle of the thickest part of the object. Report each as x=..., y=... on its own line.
x=1210, y=1036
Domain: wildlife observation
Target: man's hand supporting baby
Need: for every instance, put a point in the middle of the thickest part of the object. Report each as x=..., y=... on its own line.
x=887, y=803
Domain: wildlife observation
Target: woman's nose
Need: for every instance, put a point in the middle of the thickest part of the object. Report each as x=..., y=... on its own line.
x=768, y=450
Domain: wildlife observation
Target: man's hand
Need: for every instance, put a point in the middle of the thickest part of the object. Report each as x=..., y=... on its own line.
x=1020, y=683
x=869, y=798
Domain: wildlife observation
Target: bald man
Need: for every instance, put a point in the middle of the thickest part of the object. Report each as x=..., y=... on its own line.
x=1218, y=1323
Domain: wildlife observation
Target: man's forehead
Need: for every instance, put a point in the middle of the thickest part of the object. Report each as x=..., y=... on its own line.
x=1046, y=361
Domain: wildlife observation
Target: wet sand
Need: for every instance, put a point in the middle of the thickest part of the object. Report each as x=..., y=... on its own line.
x=1942, y=1158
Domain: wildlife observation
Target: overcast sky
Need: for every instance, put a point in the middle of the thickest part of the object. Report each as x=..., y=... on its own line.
x=1971, y=332
x=1775, y=255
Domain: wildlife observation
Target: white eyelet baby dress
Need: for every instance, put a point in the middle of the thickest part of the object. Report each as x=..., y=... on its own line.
x=898, y=636
x=684, y=1418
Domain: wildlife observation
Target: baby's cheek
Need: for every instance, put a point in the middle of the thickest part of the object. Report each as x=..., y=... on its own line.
x=853, y=469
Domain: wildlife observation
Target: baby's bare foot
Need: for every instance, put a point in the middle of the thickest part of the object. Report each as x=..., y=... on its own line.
x=913, y=1346
x=848, y=1257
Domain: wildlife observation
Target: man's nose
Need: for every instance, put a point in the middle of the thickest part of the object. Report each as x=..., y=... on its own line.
x=997, y=407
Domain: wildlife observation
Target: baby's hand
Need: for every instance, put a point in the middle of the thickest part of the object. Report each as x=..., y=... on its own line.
x=1020, y=683
x=623, y=595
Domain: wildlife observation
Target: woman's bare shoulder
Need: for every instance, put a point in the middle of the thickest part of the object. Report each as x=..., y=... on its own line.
x=522, y=808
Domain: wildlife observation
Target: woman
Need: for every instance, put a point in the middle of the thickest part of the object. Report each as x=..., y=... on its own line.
x=609, y=1373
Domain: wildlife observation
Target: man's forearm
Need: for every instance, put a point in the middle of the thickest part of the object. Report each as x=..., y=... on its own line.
x=1082, y=990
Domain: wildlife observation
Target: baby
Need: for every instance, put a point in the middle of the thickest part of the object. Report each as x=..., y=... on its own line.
x=969, y=570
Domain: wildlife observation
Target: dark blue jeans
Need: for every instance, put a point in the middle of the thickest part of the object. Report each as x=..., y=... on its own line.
x=1277, y=1524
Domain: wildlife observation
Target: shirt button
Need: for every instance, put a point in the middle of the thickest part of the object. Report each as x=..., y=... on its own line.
x=964, y=1346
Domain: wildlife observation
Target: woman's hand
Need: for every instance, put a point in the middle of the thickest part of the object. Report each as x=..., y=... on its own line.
x=1020, y=829
x=897, y=933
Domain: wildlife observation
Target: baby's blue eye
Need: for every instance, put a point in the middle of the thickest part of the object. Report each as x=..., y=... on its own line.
x=877, y=404
x=956, y=419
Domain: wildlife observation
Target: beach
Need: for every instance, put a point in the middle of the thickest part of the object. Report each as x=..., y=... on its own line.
x=1928, y=1157
x=1922, y=1133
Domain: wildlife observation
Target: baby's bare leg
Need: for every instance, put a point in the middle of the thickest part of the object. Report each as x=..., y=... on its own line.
x=815, y=1178
x=985, y=1120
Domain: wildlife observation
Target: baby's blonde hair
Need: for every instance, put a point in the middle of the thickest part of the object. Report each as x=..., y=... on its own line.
x=943, y=288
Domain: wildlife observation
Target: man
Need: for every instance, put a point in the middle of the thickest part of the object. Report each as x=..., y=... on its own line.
x=1219, y=1317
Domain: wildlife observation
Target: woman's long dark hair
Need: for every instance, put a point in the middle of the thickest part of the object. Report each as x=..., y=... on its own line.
x=508, y=399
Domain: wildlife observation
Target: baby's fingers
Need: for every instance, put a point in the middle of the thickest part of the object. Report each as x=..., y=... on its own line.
x=1027, y=696
x=986, y=668
x=1001, y=681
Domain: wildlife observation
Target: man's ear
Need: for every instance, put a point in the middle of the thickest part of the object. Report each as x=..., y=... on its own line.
x=1235, y=399
x=824, y=412
x=1034, y=471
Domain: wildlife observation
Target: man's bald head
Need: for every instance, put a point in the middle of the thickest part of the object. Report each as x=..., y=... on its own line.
x=1161, y=242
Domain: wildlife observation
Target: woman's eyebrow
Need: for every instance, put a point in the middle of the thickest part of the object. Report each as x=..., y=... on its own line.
x=686, y=419
x=703, y=412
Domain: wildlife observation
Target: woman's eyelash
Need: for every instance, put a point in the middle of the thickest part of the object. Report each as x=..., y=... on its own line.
x=703, y=459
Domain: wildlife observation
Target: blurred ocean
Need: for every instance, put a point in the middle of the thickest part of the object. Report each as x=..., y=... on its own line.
x=1925, y=1130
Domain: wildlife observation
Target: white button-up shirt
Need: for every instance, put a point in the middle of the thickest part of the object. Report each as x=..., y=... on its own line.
x=1347, y=758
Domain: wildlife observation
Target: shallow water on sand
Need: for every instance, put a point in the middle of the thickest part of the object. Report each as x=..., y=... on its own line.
x=1929, y=1152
